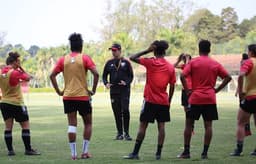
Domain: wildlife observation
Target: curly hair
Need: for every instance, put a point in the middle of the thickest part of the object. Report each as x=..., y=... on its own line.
x=76, y=42
x=12, y=57
x=161, y=47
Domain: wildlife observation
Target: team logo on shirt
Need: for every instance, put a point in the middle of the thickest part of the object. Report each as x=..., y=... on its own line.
x=4, y=75
x=123, y=64
x=72, y=60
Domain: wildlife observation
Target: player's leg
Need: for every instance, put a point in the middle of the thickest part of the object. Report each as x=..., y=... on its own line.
x=8, y=135
x=191, y=115
x=162, y=116
x=140, y=137
x=254, y=118
x=207, y=138
x=209, y=113
x=240, y=132
x=185, y=104
x=187, y=138
x=87, y=120
x=72, y=128
x=8, y=116
x=161, y=137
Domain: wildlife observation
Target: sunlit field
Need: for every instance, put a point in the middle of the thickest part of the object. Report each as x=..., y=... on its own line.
x=49, y=134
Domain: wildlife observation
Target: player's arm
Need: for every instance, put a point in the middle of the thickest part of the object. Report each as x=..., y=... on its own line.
x=240, y=82
x=55, y=84
x=184, y=84
x=176, y=64
x=105, y=76
x=224, y=82
x=23, y=75
x=135, y=57
x=171, y=91
x=95, y=80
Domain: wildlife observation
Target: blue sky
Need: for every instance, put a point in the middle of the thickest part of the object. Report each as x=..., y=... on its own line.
x=50, y=22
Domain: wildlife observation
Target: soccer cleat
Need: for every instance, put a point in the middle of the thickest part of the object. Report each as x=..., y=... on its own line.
x=204, y=156
x=127, y=137
x=131, y=156
x=253, y=153
x=184, y=155
x=86, y=156
x=11, y=153
x=32, y=152
x=248, y=133
x=158, y=157
x=119, y=137
x=74, y=158
x=236, y=153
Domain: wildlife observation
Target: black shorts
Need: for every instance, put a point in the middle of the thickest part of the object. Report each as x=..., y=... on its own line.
x=184, y=98
x=150, y=112
x=248, y=106
x=208, y=111
x=19, y=113
x=83, y=107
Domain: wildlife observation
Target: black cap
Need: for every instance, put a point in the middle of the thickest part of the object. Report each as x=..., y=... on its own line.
x=115, y=46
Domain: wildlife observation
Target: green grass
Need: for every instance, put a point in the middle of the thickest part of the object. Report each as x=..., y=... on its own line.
x=49, y=127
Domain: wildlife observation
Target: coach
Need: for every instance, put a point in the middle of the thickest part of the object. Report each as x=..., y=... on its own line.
x=120, y=75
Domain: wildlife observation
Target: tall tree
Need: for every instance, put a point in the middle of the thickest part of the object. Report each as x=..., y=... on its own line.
x=33, y=50
x=246, y=26
x=204, y=25
x=229, y=24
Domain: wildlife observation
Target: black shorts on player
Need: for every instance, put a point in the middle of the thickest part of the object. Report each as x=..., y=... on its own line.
x=19, y=113
x=151, y=112
x=83, y=107
x=208, y=111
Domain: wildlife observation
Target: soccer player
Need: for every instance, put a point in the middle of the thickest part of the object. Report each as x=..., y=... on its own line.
x=247, y=127
x=12, y=103
x=202, y=97
x=156, y=106
x=185, y=59
x=76, y=95
x=247, y=97
x=120, y=73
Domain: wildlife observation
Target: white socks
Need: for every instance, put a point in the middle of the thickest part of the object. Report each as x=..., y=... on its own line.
x=73, y=149
x=85, y=146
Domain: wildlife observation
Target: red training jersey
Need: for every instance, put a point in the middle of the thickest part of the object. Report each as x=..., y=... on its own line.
x=159, y=73
x=16, y=76
x=203, y=72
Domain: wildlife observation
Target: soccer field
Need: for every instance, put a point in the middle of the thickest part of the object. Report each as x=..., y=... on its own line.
x=49, y=134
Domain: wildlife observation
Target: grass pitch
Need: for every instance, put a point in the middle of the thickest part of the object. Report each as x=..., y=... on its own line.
x=49, y=134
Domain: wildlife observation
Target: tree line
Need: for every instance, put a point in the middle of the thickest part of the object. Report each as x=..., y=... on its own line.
x=135, y=24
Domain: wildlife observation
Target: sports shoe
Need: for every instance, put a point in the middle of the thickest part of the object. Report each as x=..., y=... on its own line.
x=158, y=157
x=127, y=137
x=204, y=156
x=119, y=137
x=11, y=153
x=32, y=152
x=74, y=158
x=183, y=155
x=131, y=156
x=236, y=153
x=248, y=133
x=86, y=156
x=253, y=153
